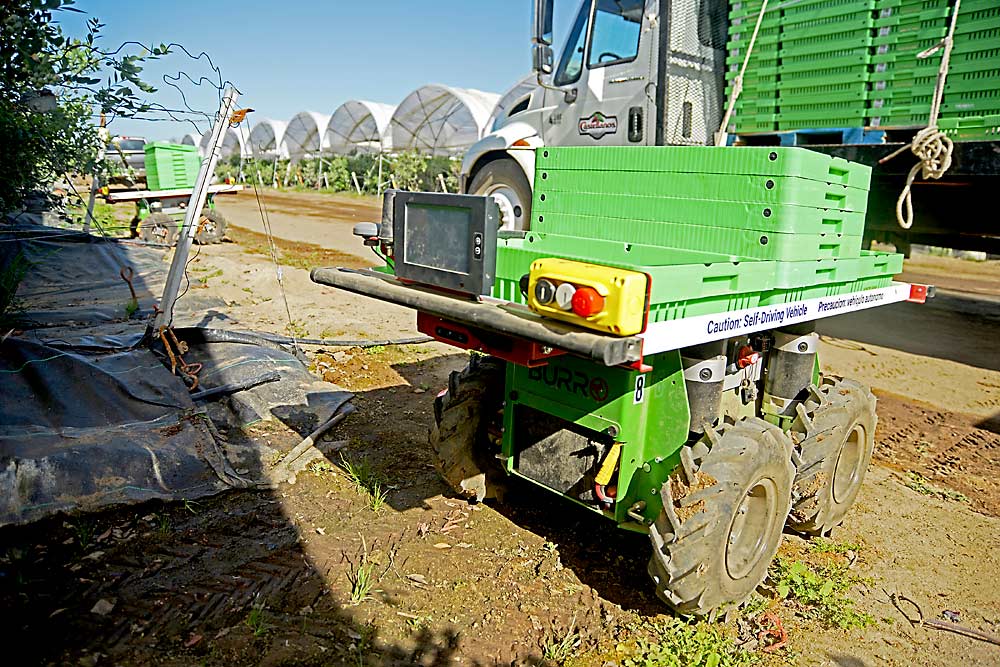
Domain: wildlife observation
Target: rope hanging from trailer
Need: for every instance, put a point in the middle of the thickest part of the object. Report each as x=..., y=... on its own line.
x=932, y=147
x=734, y=94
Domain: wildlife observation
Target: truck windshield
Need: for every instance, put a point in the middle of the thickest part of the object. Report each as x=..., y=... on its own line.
x=571, y=62
x=615, y=36
x=131, y=145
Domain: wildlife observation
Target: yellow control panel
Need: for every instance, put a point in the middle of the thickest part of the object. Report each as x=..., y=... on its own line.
x=604, y=298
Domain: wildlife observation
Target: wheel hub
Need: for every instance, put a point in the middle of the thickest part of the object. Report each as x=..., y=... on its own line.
x=511, y=209
x=751, y=527
x=848, y=470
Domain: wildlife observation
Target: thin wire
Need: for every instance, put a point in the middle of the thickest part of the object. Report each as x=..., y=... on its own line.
x=265, y=219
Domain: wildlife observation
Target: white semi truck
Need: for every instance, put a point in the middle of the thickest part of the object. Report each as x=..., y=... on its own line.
x=651, y=72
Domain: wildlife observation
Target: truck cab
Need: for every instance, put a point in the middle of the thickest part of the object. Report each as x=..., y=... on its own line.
x=631, y=73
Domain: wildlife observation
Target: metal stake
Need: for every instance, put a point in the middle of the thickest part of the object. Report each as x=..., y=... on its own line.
x=166, y=314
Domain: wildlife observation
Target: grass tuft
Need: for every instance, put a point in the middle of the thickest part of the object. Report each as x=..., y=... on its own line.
x=921, y=484
x=368, y=481
x=255, y=620
x=677, y=643
x=364, y=575
x=558, y=649
x=819, y=591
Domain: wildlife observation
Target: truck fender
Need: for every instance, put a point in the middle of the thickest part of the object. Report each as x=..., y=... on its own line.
x=500, y=143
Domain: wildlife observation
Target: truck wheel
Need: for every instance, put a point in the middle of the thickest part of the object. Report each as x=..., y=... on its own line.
x=723, y=513
x=834, y=435
x=158, y=228
x=211, y=227
x=505, y=181
x=465, y=416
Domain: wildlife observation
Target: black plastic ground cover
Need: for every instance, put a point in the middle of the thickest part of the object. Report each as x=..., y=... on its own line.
x=79, y=432
x=91, y=417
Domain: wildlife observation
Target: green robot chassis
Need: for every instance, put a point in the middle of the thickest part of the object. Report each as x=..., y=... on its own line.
x=711, y=429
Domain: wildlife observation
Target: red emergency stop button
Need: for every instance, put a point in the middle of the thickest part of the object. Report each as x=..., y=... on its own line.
x=587, y=302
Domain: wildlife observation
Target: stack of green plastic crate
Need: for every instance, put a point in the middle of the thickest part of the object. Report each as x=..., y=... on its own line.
x=171, y=166
x=717, y=228
x=973, y=84
x=853, y=63
x=816, y=53
x=757, y=106
x=902, y=85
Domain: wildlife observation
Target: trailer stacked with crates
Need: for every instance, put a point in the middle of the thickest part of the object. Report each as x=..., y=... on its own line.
x=171, y=173
x=650, y=345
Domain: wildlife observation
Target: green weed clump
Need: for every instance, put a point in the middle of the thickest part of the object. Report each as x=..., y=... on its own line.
x=558, y=649
x=368, y=481
x=921, y=484
x=255, y=621
x=677, y=643
x=819, y=590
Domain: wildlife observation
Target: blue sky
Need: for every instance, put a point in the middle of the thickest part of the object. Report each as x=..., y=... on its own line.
x=290, y=56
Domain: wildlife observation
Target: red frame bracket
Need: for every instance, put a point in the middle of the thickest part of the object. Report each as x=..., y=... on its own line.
x=515, y=350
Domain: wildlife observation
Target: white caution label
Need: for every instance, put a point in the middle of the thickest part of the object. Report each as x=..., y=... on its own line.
x=663, y=336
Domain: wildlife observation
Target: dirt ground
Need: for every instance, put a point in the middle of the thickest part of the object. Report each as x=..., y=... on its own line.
x=266, y=578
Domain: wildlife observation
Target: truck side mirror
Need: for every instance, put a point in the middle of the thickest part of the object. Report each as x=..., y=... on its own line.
x=541, y=58
x=541, y=32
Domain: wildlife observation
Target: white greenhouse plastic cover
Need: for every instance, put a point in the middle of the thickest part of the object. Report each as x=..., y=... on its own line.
x=358, y=126
x=306, y=135
x=232, y=144
x=440, y=120
x=191, y=139
x=266, y=139
x=515, y=94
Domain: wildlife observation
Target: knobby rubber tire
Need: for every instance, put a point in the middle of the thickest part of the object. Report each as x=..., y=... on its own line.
x=464, y=455
x=214, y=230
x=824, y=491
x=691, y=563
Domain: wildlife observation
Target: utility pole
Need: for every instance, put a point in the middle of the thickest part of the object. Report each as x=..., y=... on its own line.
x=193, y=213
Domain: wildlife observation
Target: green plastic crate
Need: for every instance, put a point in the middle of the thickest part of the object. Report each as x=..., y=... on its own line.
x=749, y=160
x=825, y=26
x=740, y=243
x=799, y=12
x=913, y=21
x=971, y=128
x=171, y=166
x=815, y=62
x=912, y=6
x=824, y=113
x=888, y=36
x=574, y=212
x=876, y=263
x=845, y=39
x=820, y=123
x=849, y=88
x=821, y=76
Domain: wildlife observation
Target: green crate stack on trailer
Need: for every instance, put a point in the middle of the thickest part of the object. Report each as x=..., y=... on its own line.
x=902, y=86
x=757, y=104
x=852, y=63
x=823, y=59
x=717, y=228
x=171, y=166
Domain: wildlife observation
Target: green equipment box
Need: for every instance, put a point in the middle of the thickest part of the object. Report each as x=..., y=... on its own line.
x=171, y=166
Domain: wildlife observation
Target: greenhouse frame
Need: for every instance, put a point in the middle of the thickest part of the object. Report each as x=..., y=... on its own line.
x=441, y=120
x=359, y=126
